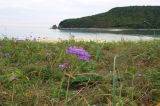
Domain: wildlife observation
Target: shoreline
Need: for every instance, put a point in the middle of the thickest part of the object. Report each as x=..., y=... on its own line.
x=61, y=39
x=52, y=40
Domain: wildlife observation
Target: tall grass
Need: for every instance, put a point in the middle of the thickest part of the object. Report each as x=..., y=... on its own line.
x=30, y=74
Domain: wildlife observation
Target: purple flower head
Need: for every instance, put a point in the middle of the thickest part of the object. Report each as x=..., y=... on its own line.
x=64, y=66
x=79, y=52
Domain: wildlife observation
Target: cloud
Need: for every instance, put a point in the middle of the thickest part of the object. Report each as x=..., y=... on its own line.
x=53, y=11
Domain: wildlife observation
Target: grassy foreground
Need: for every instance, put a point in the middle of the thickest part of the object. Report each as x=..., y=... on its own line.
x=117, y=74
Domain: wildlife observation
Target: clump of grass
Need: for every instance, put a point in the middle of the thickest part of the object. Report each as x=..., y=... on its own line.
x=30, y=73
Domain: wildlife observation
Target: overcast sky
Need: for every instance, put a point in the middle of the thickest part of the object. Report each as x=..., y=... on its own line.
x=49, y=12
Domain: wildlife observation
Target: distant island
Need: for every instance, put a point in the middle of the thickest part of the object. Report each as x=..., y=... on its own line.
x=54, y=27
x=120, y=17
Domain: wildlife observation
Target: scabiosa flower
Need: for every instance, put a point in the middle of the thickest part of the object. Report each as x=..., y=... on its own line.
x=7, y=55
x=79, y=52
x=64, y=66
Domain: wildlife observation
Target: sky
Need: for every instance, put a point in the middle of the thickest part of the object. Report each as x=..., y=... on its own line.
x=50, y=12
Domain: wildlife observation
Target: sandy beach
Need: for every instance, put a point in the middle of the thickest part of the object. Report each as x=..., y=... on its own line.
x=60, y=39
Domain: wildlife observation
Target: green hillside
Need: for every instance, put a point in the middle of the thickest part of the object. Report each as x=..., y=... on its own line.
x=120, y=17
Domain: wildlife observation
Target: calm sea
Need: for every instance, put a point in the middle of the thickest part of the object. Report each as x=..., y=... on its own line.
x=93, y=34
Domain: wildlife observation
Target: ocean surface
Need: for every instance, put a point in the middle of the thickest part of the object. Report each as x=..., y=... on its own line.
x=22, y=32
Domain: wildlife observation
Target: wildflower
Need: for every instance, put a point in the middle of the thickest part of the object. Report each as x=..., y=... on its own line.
x=14, y=78
x=64, y=66
x=79, y=52
x=7, y=55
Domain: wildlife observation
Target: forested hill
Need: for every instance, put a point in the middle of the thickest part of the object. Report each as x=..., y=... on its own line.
x=120, y=17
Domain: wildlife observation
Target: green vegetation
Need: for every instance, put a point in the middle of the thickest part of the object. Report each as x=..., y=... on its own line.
x=118, y=73
x=120, y=17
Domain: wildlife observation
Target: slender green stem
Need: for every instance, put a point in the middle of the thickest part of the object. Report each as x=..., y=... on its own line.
x=67, y=91
x=114, y=82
